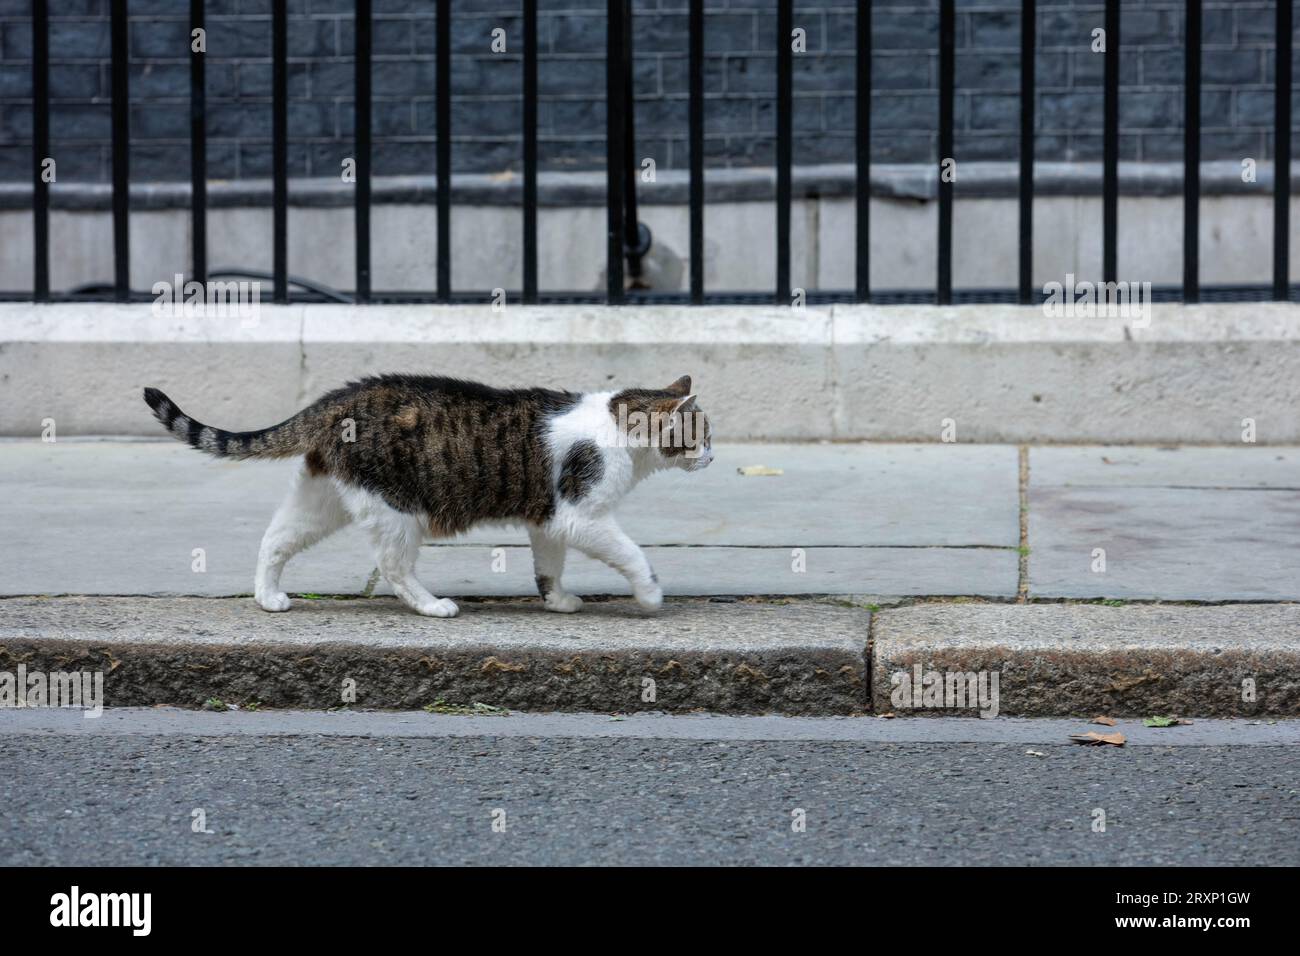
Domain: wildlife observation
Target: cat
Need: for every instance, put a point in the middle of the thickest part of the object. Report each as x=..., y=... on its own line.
x=410, y=457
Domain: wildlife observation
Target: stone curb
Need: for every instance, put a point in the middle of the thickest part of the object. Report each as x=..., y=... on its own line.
x=796, y=657
x=1084, y=660
x=733, y=657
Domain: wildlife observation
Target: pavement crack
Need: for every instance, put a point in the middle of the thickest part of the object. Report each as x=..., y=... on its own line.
x=1022, y=588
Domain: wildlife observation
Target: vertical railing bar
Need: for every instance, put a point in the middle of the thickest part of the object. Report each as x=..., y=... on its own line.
x=862, y=111
x=361, y=123
x=614, y=148
x=631, y=225
x=280, y=148
x=198, y=153
x=530, y=151
x=947, y=48
x=1282, y=154
x=1192, y=155
x=784, y=145
x=697, y=150
x=1028, y=28
x=121, y=119
x=40, y=150
x=1110, y=147
x=443, y=80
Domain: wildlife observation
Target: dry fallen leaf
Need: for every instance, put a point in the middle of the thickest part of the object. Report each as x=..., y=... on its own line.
x=1094, y=739
x=759, y=471
x=1104, y=721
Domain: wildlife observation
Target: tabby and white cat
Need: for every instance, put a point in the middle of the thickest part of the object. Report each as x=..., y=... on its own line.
x=411, y=457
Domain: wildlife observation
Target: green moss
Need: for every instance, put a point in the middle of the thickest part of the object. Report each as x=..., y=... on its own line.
x=475, y=709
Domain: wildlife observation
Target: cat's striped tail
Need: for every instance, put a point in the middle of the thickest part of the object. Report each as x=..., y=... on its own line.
x=279, y=441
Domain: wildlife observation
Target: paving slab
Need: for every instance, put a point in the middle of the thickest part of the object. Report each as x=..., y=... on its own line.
x=898, y=572
x=1135, y=466
x=125, y=517
x=1086, y=660
x=1207, y=524
x=736, y=657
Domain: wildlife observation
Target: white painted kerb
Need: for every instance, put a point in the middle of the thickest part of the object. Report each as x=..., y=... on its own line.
x=1001, y=373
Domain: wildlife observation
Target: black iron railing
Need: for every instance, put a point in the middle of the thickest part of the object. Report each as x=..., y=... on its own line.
x=198, y=155
x=628, y=240
x=1282, y=150
x=40, y=150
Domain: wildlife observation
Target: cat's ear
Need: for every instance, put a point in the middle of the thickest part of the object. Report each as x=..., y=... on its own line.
x=680, y=387
x=676, y=406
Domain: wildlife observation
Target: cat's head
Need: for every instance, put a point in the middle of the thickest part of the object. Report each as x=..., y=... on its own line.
x=667, y=422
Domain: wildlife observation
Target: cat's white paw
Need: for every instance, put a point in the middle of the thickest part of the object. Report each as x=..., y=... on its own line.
x=651, y=599
x=563, y=603
x=443, y=607
x=274, y=602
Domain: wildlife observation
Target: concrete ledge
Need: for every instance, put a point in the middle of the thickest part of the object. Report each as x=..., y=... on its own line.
x=1002, y=373
x=744, y=657
x=1084, y=660
x=672, y=186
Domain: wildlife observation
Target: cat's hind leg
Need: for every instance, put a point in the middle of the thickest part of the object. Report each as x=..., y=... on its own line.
x=548, y=567
x=397, y=537
x=311, y=511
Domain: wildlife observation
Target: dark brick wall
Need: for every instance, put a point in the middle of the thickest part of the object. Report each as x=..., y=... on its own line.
x=740, y=77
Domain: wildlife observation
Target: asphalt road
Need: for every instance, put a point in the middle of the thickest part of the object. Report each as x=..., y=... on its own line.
x=584, y=790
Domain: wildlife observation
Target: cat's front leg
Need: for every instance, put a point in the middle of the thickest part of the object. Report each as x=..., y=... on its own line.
x=603, y=539
x=548, y=567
